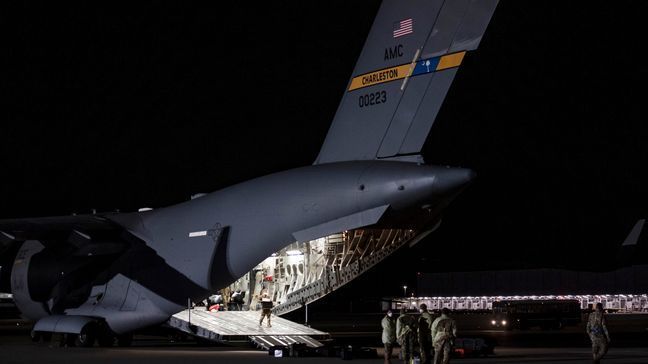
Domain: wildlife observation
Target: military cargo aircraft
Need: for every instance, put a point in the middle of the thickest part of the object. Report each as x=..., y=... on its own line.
x=101, y=276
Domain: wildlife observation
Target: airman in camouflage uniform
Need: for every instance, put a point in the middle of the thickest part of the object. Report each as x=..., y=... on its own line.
x=598, y=333
x=444, y=330
x=425, y=333
x=406, y=334
x=388, y=335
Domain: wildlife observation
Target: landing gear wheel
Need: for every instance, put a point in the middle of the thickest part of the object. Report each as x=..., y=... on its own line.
x=124, y=340
x=35, y=336
x=86, y=337
x=105, y=336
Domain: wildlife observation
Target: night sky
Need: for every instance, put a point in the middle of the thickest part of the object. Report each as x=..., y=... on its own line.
x=121, y=108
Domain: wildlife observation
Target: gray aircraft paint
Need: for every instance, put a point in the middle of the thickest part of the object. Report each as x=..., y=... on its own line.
x=136, y=305
x=353, y=221
x=206, y=243
x=263, y=214
x=402, y=123
x=633, y=237
x=62, y=323
x=20, y=282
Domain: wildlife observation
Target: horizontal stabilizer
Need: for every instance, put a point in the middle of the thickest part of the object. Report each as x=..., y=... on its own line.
x=633, y=237
x=353, y=221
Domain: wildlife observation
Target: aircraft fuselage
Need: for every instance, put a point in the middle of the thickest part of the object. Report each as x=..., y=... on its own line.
x=188, y=250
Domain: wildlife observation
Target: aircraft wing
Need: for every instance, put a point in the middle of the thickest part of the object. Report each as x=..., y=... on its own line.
x=56, y=223
x=91, y=234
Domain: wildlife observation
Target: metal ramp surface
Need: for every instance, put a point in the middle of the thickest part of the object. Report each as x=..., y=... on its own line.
x=265, y=342
x=238, y=326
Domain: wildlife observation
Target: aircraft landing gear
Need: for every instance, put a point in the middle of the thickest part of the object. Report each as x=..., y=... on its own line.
x=86, y=338
x=38, y=336
x=68, y=340
x=105, y=336
x=95, y=331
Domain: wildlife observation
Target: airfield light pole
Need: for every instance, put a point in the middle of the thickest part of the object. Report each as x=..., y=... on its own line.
x=404, y=291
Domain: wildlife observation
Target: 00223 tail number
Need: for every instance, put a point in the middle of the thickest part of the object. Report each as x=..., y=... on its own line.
x=374, y=98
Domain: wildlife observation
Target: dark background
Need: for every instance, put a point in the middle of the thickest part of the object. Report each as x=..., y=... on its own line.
x=124, y=107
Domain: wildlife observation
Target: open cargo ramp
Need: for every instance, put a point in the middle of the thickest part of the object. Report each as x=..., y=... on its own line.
x=242, y=326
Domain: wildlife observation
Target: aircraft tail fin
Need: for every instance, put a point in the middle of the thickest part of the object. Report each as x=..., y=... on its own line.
x=403, y=73
x=630, y=252
x=633, y=237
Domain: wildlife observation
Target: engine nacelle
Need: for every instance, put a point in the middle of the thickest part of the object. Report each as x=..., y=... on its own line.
x=20, y=281
x=65, y=287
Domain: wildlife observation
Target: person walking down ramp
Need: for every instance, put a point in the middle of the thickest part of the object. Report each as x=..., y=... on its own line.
x=266, y=309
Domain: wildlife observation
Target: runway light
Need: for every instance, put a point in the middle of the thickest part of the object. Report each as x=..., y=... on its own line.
x=493, y=322
x=503, y=322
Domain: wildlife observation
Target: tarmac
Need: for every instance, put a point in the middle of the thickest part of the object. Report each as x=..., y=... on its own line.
x=532, y=346
x=25, y=352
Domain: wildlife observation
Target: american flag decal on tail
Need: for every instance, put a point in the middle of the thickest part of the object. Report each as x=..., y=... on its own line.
x=403, y=27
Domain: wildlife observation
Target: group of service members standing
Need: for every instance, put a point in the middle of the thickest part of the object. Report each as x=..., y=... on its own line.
x=441, y=332
x=438, y=334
